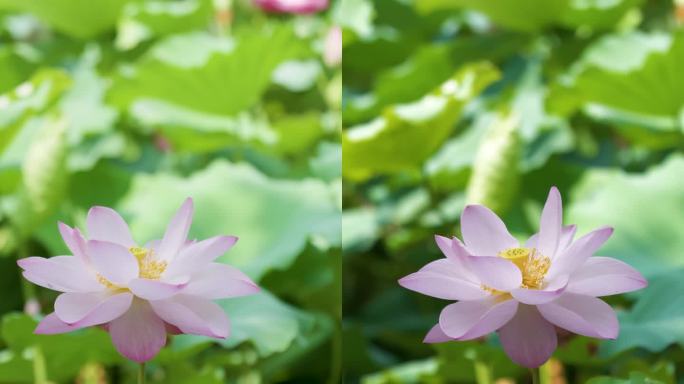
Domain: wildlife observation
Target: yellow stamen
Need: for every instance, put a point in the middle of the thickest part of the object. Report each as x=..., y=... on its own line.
x=532, y=265
x=149, y=267
x=500, y=295
x=102, y=280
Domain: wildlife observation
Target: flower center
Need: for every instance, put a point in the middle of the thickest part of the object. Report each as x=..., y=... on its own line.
x=147, y=265
x=532, y=264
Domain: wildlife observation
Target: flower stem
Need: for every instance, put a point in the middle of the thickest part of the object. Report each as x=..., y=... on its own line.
x=39, y=369
x=535, y=375
x=141, y=374
x=545, y=373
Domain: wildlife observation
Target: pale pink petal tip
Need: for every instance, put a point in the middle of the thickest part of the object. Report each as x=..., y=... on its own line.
x=550, y=224
x=23, y=263
x=605, y=276
x=59, y=273
x=579, y=251
x=176, y=232
x=441, y=284
x=436, y=335
x=484, y=234
x=106, y=224
x=194, y=315
x=466, y=320
x=64, y=230
x=220, y=281
x=584, y=315
x=87, y=309
x=188, y=205
x=51, y=325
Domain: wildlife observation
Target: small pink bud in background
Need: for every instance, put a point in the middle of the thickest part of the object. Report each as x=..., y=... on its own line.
x=301, y=7
x=332, y=55
x=162, y=143
x=32, y=307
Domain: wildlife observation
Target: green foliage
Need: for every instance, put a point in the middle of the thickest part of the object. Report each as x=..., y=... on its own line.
x=655, y=321
x=137, y=105
x=141, y=21
x=651, y=87
x=406, y=135
x=64, y=354
x=634, y=378
x=271, y=211
x=609, y=197
x=78, y=18
x=33, y=96
x=533, y=15
x=494, y=180
x=221, y=77
x=588, y=99
x=44, y=177
x=275, y=331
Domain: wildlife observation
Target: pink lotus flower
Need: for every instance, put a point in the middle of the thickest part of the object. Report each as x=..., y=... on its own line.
x=292, y=6
x=138, y=294
x=523, y=291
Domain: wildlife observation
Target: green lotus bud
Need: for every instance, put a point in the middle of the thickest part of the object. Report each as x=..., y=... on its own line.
x=495, y=174
x=44, y=178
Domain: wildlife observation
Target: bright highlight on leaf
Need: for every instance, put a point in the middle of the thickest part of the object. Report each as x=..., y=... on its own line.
x=138, y=294
x=523, y=291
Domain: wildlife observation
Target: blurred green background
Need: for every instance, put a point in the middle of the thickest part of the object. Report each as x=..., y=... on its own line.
x=138, y=104
x=448, y=102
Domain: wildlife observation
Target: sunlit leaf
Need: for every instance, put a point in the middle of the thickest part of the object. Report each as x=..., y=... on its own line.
x=86, y=116
x=638, y=87
x=269, y=216
x=406, y=135
x=428, y=67
x=634, y=378
x=227, y=81
x=64, y=354
x=656, y=320
x=533, y=15
x=189, y=130
x=141, y=21
x=327, y=164
x=30, y=97
x=262, y=321
x=355, y=15
x=78, y=18
x=13, y=69
x=644, y=210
